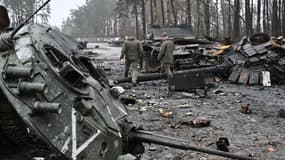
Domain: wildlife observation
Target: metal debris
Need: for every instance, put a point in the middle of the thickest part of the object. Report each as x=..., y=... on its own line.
x=245, y=109
x=222, y=144
x=166, y=114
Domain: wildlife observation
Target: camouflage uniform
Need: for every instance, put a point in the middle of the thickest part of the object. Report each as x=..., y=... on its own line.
x=166, y=57
x=132, y=52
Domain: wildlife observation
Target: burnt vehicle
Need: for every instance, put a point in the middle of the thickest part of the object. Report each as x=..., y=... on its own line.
x=82, y=44
x=190, y=52
x=255, y=60
x=116, y=42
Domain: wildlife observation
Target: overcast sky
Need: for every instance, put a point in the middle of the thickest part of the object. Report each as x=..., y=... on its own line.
x=60, y=10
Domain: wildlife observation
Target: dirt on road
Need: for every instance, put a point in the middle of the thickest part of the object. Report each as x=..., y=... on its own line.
x=260, y=134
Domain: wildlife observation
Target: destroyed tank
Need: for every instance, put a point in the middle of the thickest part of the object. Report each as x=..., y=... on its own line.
x=58, y=95
x=54, y=95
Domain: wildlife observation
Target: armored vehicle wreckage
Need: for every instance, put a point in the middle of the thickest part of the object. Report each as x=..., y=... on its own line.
x=53, y=94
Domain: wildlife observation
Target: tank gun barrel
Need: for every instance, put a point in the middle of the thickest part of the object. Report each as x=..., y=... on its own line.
x=148, y=137
x=157, y=76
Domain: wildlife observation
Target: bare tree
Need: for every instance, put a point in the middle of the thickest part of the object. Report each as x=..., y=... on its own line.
x=207, y=16
x=173, y=6
x=236, y=30
x=162, y=11
x=143, y=18
x=283, y=18
x=188, y=12
x=248, y=17
x=151, y=12
x=274, y=18
x=258, y=28
x=198, y=19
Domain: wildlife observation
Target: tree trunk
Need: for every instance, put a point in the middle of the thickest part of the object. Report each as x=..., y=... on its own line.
x=151, y=12
x=247, y=17
x=143, y=19
x=267, y=17
x=217, y=19
x=207, y=16
x=264, y=17
x=198, y=19
x=174, y=12
x=251, y=16
x=280, y=17
x=275, y=18
x=222, y=4
x=283, y=19
x=236, y=31
x=258, y=29
x=188, y=12
x=156, y=19
x=168, y=12
x=137, y=20
x=115, y=27
x=162, y=11
x=229, y=21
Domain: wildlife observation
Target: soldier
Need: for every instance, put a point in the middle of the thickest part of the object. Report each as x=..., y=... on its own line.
x=165, y=55
x=5, y=38
x=132, y=52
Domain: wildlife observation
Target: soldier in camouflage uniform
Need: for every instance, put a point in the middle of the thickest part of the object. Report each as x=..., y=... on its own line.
x=165, y=55
x=132, y=52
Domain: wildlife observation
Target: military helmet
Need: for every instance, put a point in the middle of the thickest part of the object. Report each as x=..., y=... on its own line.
x=4, y=18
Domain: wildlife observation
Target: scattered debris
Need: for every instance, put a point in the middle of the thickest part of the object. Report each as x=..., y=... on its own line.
x=152, y=148
x=198, y=122
x=38, y=158
x=218, y=91
x=258, y=59
x=189, y=114
x=282, y=113
x=89, y=53
x=245, y=109
x=116, y=42
x=185, y=106
x=166, y=114
x=128, y=100
x=107, y=68
x=222, y=144
x=127, y=157
x=266, y=79
x=270, y=149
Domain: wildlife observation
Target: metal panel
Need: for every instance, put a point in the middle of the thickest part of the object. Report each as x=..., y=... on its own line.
x=187, y=81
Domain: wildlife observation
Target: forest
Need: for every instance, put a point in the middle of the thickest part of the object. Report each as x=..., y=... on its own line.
x=215, y=18
x=118, y=18
x=19, y=10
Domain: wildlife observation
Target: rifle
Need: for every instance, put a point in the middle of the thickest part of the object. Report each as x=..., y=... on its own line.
x=28, y=19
